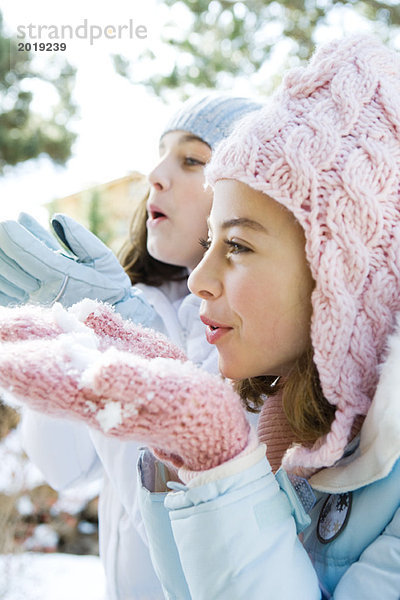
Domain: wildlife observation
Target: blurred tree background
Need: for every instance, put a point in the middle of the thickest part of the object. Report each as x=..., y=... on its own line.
x=216, y=42
x=24, y=132
x=211, y=45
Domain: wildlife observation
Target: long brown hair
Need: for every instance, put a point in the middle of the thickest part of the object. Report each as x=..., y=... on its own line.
x=308, y=412
x=134, y=257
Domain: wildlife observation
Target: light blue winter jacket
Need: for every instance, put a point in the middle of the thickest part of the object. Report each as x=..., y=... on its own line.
x=235, y=538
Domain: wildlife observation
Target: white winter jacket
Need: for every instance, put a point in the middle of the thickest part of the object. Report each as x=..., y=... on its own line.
x=68, y=454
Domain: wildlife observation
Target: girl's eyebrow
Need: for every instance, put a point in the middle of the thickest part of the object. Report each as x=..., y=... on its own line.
x=190, y=138
x=183, y=140
x=243, y=222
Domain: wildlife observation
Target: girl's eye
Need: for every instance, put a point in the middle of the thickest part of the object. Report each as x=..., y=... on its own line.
x=235, y=248
x=205, y=243
x=193, y=162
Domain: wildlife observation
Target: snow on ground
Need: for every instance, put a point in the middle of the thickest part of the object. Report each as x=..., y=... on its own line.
x=34, y=576
x=31, y=576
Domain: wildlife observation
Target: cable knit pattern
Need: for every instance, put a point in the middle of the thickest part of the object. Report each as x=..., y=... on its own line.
x=327, y=147
x=58, y=364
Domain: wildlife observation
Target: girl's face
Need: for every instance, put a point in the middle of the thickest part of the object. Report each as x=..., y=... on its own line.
x=178, y=205
x=255, y=283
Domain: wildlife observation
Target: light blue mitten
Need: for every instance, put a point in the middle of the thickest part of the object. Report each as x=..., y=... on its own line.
x=38, y=231
x=35, y=267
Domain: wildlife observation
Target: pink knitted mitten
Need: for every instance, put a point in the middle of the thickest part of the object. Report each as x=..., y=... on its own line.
x=31, y=322
x=194, y=419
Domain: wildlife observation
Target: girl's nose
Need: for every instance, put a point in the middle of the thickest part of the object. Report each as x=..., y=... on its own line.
x=204, y=280
x=159, y=177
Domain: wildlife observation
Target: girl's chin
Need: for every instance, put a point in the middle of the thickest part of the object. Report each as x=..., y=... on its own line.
x=160, y=254
x=236, y=371
x=231, y=371
x=168, y=259
x=172, y=258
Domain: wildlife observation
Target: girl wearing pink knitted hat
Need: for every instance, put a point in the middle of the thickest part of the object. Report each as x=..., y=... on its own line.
x=300, y=289
x=301, y=281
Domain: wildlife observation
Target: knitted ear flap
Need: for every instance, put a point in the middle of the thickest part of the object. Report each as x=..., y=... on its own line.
x=327, y=147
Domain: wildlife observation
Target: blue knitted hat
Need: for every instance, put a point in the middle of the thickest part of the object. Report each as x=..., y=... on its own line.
x=210, y=117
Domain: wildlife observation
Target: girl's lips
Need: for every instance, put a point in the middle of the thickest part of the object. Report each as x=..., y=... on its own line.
x=156, y=215
x=153, y=221
x=214, y=330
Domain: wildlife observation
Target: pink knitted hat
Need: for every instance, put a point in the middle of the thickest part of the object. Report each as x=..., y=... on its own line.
x=327, y=147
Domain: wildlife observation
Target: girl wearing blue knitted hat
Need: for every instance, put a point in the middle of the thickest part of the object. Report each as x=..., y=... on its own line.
x=163, y=248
